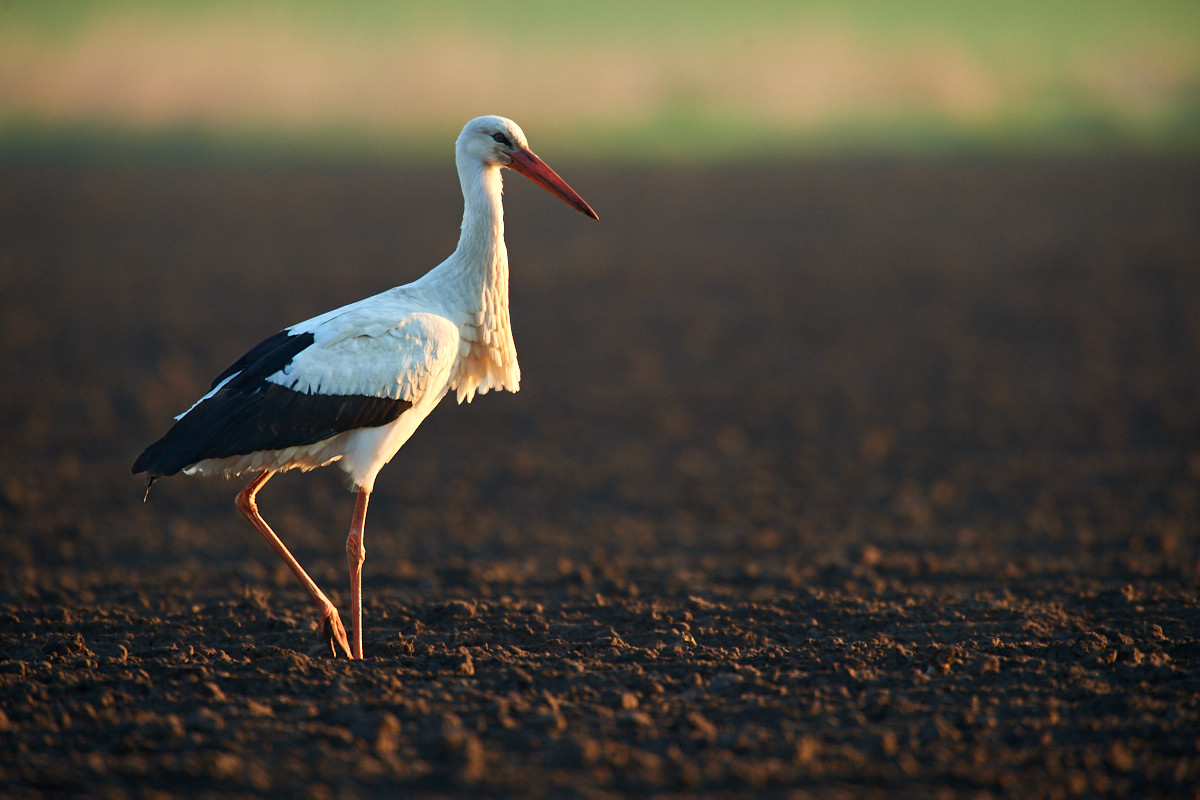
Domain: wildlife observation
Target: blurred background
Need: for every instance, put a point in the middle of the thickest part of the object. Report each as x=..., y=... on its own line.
x=619, y=80
x=799, y=329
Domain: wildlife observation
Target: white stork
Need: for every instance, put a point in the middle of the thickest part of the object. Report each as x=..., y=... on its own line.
x=352, y=385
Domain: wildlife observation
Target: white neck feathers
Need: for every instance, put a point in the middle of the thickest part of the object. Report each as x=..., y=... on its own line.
x=474, y=284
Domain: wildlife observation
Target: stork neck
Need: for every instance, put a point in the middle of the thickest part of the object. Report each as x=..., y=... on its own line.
x=481, y=247
x=473, y=284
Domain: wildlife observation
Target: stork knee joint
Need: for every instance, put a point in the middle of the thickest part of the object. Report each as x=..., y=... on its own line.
x=356, y=551
x=245, y=504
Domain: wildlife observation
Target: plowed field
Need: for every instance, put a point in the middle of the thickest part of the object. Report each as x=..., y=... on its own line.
x=855, y=479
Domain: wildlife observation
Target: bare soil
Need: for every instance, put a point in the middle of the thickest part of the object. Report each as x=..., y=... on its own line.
x=854, y=479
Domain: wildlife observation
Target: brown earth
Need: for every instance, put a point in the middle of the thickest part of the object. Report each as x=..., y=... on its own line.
x=874, y=479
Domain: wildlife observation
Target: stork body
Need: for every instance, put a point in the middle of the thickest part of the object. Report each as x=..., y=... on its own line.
x=350, y=386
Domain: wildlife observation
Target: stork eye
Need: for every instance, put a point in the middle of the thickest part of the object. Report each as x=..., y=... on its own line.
x=502, y=139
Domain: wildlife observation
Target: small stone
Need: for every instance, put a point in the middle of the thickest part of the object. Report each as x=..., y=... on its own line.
x=638, y=719
x=474, y=763
x=226, y=766
x=387, y=735
x=806, y=749
x=256, y=709
x=212, y=691
x=1120, y=758
x=869, y=556
x=703, y=727
x=169, y=728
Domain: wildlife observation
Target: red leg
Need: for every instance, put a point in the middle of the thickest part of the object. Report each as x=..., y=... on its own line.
x=356, y=554
x=331, y=623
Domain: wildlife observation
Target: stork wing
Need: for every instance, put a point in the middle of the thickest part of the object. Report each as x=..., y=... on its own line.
x=356, y=355
x=308, y=383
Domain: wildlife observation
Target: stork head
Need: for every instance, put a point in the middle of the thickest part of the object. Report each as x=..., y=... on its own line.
x=498, y=142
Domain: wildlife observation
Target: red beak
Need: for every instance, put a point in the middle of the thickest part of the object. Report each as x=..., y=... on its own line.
x=532, y=167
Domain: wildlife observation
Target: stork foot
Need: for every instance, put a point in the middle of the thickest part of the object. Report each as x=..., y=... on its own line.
x=335, y=634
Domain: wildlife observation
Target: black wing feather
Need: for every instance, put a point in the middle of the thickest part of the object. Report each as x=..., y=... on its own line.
x=275, y=352
x=250, y=413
